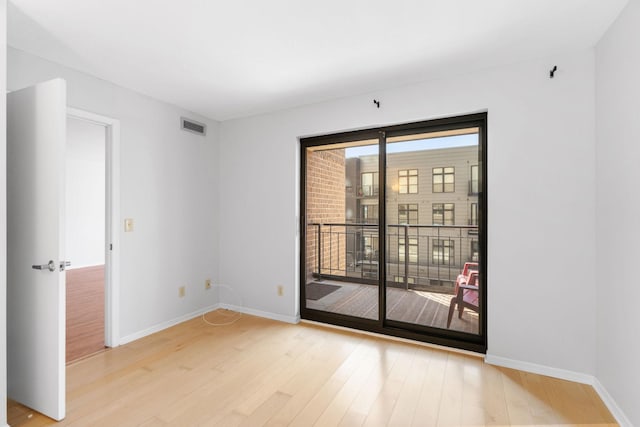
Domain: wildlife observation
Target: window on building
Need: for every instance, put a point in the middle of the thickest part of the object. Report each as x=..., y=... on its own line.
x=443, y=214
x=444, y=180
x=407, y=213
x=408, y=181
x=369, y=184
x=443, y=251
x=473, y=219
x=369, y=214
x=473, y=182
x=411, y=245
x=370, y=247
x=475, y=250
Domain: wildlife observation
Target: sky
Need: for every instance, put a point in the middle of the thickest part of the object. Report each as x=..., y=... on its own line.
x=417, y=145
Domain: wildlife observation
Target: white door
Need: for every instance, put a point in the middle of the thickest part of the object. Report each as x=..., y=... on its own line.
x=36, y=136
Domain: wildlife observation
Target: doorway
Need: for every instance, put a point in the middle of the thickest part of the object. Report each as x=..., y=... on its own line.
x=85, y=230
x=394, y=230
x=92, y=242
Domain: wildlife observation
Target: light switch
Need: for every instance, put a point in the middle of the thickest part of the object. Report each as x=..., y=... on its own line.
x=128, y=225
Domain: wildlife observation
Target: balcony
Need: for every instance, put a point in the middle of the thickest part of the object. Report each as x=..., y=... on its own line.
x=423, y=262
x=367, y=191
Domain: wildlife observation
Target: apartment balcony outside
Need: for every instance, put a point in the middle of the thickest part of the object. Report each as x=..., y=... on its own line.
x=423, y=263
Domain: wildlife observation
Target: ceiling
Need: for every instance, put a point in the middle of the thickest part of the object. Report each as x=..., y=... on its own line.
x=229, y=59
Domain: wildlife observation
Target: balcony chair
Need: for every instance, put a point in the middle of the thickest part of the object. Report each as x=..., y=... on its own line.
x=466, y=270
x=466, y=295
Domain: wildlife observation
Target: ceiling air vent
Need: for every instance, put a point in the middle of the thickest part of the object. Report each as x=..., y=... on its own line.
x=193, y=126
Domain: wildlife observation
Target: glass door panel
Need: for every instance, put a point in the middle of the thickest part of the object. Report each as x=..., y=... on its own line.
x=393, y=230
x=342, y=240
x=432, y=247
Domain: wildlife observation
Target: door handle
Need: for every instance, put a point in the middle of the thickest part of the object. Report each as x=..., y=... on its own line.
x=64, y=264
x=51, y=266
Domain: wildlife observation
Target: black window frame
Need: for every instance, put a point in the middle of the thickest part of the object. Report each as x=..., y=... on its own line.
x=472, y=342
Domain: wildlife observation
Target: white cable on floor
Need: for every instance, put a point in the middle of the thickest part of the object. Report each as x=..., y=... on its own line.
x=239, y=314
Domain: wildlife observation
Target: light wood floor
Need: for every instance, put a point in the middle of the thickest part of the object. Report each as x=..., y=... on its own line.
x=261, y=372
x=85, y=311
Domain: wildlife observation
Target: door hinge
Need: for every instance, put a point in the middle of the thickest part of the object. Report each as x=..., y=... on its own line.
x=110, y=246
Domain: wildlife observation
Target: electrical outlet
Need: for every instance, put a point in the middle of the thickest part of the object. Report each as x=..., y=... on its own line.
x=280, y=290
x=181, y=291
x=207, y=284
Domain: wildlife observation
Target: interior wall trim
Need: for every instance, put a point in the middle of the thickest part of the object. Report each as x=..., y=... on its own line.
x=535, y=368
x=169, y=323
x=259, y=313
x=611, y=404
x=568, y=375
x=164, y=325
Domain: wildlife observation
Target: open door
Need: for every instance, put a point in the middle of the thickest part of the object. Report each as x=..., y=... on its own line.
x=36, y=137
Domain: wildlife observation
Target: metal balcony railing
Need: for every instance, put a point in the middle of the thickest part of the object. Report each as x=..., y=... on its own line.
x=427, y=257
x=367, y=191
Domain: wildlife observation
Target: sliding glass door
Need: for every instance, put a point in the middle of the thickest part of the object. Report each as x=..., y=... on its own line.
x=394, y=226
x=342, y=242
x=431, y=233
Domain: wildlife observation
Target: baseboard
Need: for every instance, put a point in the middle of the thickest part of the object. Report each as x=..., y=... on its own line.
x=564, y=374
x=164, y=325
x=260, y=313
x=169, y=323
x=534, y=368
x=613, y=407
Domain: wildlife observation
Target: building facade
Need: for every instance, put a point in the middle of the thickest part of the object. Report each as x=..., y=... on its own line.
x=431, y=208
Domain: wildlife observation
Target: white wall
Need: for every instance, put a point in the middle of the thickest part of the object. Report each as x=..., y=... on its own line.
x=85, y=193
x=541, y=160
x=3, y=213
x=543, y=211
x=169, y=185
x=618, y=210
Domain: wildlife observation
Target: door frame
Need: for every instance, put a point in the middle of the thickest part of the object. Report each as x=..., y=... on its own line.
x=448, y=338
x=112, y=219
